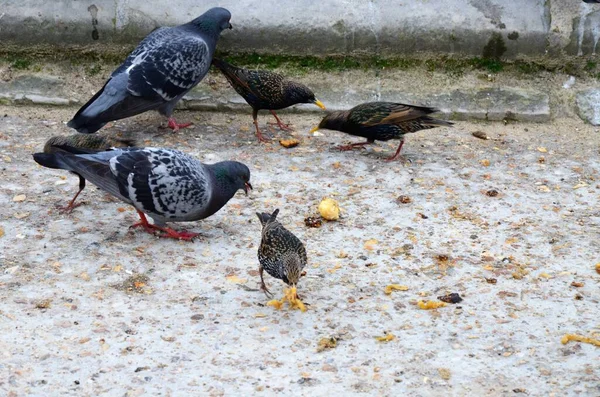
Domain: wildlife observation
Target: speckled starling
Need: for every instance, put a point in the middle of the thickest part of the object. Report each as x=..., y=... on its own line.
x=280, y=253
x=263, y=89
x=86, y=142
x=381, y=121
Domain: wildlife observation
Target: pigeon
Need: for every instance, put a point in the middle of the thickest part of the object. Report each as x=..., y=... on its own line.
x=168, y=63
x=280, y=253
x=381, y=121
x=85, y=142
x=263, y=89
x=165, y=184
x=591, y=1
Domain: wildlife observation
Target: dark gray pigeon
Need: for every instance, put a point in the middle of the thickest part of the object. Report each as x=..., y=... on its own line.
x=157, y=74
x=166, y=184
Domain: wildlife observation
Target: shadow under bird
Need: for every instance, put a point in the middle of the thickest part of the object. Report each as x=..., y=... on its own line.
x=381, y=121
x=280, y=253
x=165, y=184
x=263, y=89
x=85, y=143
x=168, y=63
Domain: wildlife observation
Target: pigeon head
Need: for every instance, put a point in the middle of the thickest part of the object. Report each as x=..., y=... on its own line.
x=214, y=21
x=302, y=94
x=266, y=218
x=333, y=121
x=232, y=176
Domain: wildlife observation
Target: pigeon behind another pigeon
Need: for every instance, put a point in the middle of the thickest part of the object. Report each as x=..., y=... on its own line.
x=85, y=143
x=168, y=185
x=381, y=121
x=157, y=74
x=263, y=89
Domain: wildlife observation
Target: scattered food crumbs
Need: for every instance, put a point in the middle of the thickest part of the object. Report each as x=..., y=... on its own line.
x=577, y=284
x=386, y=338
x=394, y=287
x=485, y=162
x=326, y=344
x=43, y=304
x=451, y=298
x=429, y=305
x=492, y=193
x=235, y=279
x=578, y=338
x=598, y=268
x=1, y=231
x=311, y=221
x=277, y=304
x=291, y=297
x=370, y=244
x=480, y=135
x=542, y=149
x=491, y=280
x=444, y=373
x=19, y=198
x=404, y=199
x=289, y=143
x=329, y=209
x=121, y=209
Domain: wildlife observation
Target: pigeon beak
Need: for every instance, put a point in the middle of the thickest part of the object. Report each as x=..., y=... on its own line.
x=247, y=186
x=314, y=130
x=230, y=26
x=320, y=104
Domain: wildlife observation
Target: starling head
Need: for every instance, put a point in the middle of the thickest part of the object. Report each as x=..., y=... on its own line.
x=266, y=218
x=302, y=94
x=332, y=121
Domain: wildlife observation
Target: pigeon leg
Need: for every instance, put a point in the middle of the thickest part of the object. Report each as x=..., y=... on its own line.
x=176, y=126
x=353, y=145
x=260, y=136
x=280, y=124
x=397, y=154
x=263, y=286
x=167, y=231
x=69, y=208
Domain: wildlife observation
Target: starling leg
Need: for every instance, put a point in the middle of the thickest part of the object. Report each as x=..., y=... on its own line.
x=260, y=136
x=280, y=124
x=168, y=232
x=263, y=286
x=69, y=208
x=353, y=145
x=176, y=126
x=397, y=154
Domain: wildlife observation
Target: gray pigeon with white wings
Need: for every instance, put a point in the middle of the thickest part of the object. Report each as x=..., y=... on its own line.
x=165, y=184
x=157, y=74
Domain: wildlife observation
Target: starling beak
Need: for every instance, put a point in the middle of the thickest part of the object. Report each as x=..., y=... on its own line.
x=313, y=130
x=320, y=104
x=381, y=121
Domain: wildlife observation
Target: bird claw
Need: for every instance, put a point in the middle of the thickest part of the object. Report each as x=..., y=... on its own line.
x=344, y=148
x=67, y=209
x=166, y=231
x=175, y=126
x=264, y=289
x=282, y=127
x=402, y=159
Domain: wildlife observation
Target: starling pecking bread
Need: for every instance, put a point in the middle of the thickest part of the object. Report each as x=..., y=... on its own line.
x=280, y=253
x=166, y=184
x=85, y=143
x=381, y=121
x=263, y=89
x=157, y=74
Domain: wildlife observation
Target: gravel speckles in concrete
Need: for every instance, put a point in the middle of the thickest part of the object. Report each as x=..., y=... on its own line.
x=90, y=307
